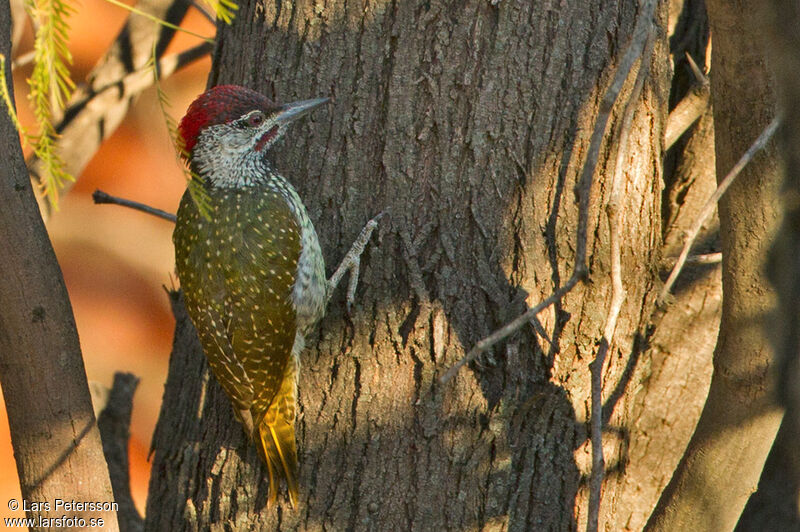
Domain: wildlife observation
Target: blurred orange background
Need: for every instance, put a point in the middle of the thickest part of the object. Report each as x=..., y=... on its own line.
x=116, y=261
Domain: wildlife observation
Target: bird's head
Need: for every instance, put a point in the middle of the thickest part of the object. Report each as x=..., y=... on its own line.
x=228, y=129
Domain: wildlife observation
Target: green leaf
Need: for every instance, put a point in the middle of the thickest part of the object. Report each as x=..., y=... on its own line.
x=50, y=88
x=195, y=185
x=224, y=9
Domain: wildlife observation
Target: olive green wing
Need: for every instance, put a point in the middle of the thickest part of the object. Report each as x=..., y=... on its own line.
x=264, y=323
x=203, y=286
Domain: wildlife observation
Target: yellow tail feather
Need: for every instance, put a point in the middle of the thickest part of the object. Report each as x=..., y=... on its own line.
x=279, y=451
x=276, y=434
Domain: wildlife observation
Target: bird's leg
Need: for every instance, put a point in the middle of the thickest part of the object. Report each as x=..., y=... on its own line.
x=352, y=262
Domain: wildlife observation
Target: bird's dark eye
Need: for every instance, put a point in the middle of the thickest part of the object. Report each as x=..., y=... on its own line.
x=255, y=119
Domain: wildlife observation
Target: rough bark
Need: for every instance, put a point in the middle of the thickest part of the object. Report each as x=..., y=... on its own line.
x=726, y=455
x=56, y=442
x=468, y=123
x=675, y=368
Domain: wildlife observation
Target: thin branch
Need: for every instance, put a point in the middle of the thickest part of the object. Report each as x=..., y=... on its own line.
x=686, y=113
x=23, y=59
x=704, y=258
x=644, y=25
x=539, y=328
x=159, y=21
x=86, y=115
x=170, y=64
x=698, y=74
x=135, y=82
x=101, y=197
x=508, y=329
x=711, y=204
x=618, y=293
x=690, y=108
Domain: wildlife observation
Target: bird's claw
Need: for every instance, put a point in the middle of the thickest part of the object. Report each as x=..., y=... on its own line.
x=352, y=263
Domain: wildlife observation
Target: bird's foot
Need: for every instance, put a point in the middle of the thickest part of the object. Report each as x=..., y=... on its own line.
x=352, y=262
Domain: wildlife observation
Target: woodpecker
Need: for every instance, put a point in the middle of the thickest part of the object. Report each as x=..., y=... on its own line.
x=251, y=268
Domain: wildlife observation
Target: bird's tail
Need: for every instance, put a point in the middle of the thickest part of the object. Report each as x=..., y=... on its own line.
x=277, y=441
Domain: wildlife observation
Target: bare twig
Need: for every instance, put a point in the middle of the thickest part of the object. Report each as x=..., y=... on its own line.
x=170, y=64
x=686, y=113
x=698, y=74
x=508, y=329
x=704, y=258
x=23, y=59
x=133, y=83
x=584, y=189
x=95, y=117
x=690, y=108
x=101, y=197
x=711, y=204
x=614, y=215
x=539, y=328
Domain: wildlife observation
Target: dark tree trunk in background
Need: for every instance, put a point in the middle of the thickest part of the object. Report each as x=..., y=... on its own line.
x=740, y=419
x=774, y=505
x=468, y=123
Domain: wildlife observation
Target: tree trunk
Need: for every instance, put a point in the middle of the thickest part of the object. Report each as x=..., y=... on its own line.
x=53, y=429
x=675, y=371
x=469, y=124
x=726, y=455
x=775, y=503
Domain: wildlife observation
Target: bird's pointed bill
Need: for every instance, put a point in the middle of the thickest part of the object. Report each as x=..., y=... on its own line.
x=292, y=111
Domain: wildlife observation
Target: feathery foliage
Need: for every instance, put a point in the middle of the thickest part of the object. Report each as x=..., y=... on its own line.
x=50, y=87
x=195, y=184
x=224, y=9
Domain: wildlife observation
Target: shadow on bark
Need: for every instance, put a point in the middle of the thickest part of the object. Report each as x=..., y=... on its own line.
x=774, y=505
x=225, y=484
x=478, y=188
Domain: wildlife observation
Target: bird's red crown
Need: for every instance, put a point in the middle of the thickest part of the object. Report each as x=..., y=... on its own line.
x=219, y=105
